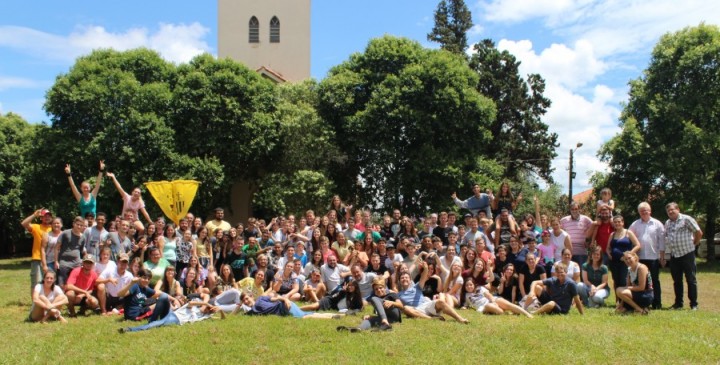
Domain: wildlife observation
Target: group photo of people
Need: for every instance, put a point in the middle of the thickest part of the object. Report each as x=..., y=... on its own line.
x=481, y=254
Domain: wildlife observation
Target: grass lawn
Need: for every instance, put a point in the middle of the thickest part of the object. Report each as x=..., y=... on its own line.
x=599, y=337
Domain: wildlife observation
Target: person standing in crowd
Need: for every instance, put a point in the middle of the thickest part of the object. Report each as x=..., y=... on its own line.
x=682, y=235
x=602, y=229
x=49, y=242
x=132, y=203
x=479, y=201
x=96, y=237
x=37, y=231
x=578, y=227
x=650, y=232
x=621, y=241
x=218, y=222
x=86, y=199
x=68, y=252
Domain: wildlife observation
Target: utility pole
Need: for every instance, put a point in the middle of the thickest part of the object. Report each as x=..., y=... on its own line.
x=571, y=174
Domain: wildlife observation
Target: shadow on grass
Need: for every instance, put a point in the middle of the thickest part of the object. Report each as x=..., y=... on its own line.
x=15, y=264
x=17, y=303
x=704, y=267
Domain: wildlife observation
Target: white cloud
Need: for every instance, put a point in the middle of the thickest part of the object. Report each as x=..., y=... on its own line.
x=175, y=42
x=570, y=67
x=7, y=82
x=475, y=30
x=612, y=27
x=581, y=111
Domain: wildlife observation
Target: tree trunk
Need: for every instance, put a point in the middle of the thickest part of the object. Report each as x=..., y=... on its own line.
x=712, y=211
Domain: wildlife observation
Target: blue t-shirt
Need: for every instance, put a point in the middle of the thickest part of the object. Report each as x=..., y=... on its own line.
x=263, y=306
x=561, y=293
x=413, y=296
x=135, y=301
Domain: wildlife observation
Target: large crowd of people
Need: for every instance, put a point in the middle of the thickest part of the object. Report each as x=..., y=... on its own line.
x=342, y=260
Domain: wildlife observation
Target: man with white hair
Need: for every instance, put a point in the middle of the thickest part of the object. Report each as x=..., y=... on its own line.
x=650, y=232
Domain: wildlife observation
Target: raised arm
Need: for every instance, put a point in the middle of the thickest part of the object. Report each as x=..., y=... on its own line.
x=26, y=223
x=425, y=274
x=146, y=215
x=119, y=188
x=98, y=180
x=73, y=188
x=124, y=291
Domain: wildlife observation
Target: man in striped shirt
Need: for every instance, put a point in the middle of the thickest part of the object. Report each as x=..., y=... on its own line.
x=682, y=234
x=577, y=226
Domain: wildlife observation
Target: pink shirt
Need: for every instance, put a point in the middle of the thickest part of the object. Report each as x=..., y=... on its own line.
x=129, y=204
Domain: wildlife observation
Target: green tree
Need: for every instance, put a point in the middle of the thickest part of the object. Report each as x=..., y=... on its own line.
x=114, y=106
x=452, y=21
x=16, y=139
x=408, y=121
x=521, y=140
x=221, y=108
x=307, y=151
x=669, y=148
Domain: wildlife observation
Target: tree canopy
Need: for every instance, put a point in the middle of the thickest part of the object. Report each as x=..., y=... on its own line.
x=452, y=22
x=521, y=140
x=410, y=121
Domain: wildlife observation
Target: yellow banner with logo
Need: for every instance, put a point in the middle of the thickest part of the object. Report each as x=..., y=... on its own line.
x=174, y=197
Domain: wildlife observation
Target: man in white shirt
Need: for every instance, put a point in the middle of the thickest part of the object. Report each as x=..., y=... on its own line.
x=650, y=232
x=333, y=274
x=110, y=283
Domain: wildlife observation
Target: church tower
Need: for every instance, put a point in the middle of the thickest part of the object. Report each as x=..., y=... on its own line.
x=269, y=36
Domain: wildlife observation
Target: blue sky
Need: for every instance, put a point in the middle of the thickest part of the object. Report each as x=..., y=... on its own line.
x=586, y=50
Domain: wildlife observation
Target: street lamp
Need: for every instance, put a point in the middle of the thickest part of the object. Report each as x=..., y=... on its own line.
x=571, y=174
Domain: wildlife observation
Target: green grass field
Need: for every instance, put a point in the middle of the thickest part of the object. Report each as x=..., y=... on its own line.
x=599, y=337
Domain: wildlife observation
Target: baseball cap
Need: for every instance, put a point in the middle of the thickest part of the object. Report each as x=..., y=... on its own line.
x=88, y=258
x=123, y=257
x=45, y=212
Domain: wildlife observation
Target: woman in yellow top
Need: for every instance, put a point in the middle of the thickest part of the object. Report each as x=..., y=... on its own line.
x=253, y=285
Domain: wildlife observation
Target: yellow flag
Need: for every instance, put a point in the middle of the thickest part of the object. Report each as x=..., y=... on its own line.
x=174, y=197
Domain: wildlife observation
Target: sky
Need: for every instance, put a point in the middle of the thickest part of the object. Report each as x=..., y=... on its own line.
x=586, y=50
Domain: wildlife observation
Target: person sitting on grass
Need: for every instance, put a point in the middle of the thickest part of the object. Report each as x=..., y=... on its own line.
x=48, y=298
x=286, y=284
x=171, y=286
x=81, y=286
x=280, y=306
x=140, y=297
x=350, y=293
x=253, y=285
x=110, y=282
x=480, y=299
x=418, y=306
x=387, y=307
x=191, y=289
x=556, y=294
x=638, y=295
x=314, y=287
x=193, y=311
x=593, y=289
